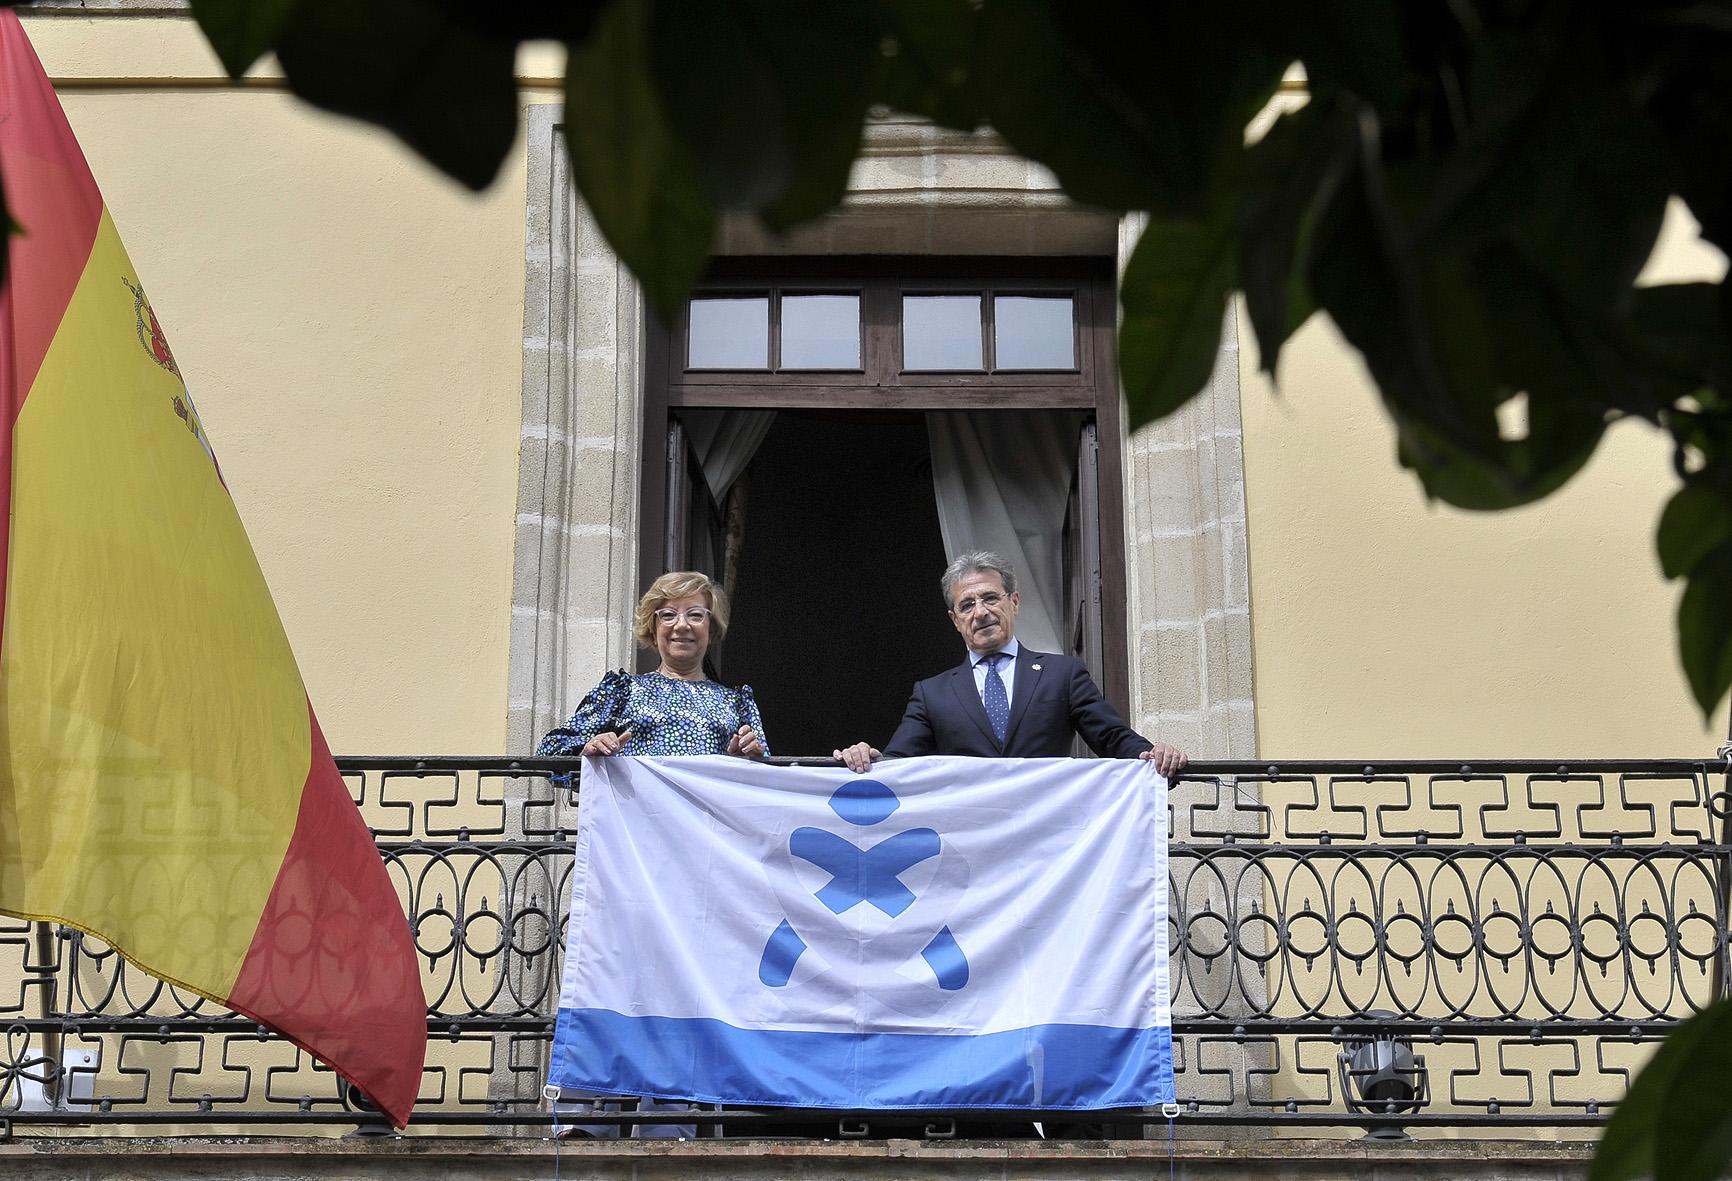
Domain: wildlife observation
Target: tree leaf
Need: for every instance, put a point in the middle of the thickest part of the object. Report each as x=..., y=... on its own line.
x=924, y=60
x=1533, y=104
x=770, y=97
x=1695, y=1122
x=1676, y=339
x=1705, y=643
x=1290, y=176
x=1595, y=235
x=526, y=20
x=1533, y=341
x=242, y=31
x=449, y=93
x=1448, y=346
x=1692, y=105
x=1628, y=1149
x=1696, y=521
x=1419, y=321
x=1361, y=46
x=637, y=177
x=1132, y=105
x=1560, y=440
x=1174, y=297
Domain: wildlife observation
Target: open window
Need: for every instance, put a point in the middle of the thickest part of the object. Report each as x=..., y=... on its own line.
x=822, y=435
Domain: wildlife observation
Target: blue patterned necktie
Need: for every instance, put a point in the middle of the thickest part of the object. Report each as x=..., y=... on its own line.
x=997, y=701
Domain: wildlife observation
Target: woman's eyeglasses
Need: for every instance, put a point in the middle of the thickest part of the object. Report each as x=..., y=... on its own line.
x=696, y=616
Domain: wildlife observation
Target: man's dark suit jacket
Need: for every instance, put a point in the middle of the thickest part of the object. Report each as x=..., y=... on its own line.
x=1054, y=698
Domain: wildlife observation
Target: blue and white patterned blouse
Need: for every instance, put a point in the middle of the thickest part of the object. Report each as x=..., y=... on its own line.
x=666, y=716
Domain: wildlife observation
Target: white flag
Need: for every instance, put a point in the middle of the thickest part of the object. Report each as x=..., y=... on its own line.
x=942, y=932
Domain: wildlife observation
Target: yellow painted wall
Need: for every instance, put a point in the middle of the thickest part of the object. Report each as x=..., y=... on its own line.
x=1384, y=627
x=350, y=325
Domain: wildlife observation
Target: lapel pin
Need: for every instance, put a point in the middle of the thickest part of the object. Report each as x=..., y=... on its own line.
x=1035, y=667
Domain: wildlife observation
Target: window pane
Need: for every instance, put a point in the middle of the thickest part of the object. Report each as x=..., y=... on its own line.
x=941, y=332
x=1034, y=332
x=820, y=332
x=730, y=332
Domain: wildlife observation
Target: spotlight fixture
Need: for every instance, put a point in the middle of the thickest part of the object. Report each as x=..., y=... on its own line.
x=1380, y=1075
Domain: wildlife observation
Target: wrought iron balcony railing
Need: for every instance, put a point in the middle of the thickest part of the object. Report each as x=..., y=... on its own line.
x=1374, y=945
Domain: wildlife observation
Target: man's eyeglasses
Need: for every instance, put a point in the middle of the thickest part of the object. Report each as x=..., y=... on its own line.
x=990, y=600
x=696, y=616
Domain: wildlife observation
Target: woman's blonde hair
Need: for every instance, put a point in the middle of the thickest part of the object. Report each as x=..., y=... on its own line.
x=679, y=584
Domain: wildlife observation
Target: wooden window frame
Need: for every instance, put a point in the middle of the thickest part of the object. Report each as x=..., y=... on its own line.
x=880, y=384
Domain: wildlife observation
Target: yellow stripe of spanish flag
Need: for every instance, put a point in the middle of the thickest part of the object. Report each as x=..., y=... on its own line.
x=165, y=785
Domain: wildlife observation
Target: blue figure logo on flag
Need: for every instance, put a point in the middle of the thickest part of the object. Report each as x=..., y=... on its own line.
x=865, y=875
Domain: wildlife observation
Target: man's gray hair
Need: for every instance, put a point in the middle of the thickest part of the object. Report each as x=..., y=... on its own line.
x=978, y=562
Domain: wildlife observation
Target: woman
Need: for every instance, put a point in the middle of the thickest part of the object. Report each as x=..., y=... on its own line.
x=675, y=710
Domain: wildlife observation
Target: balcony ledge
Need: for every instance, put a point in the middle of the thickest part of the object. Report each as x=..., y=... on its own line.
x=52, y=1158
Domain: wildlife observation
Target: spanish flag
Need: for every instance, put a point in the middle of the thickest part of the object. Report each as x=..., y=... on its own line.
x=163, y=782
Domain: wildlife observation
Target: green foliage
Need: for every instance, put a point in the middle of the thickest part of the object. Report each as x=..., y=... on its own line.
x=1676, y=1122
x=924, y=59
x=641, y=180
x=242, y=31
x=1291, y=176
x=1468, y=191
x=1175, y=297
x=1132, y=105
x=1697, y=523
x=796, y=83
x=1705, y=623
x=444, y=83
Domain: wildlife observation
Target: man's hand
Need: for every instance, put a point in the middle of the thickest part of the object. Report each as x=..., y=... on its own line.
x=745, y=743
x=606, y=743
x=858, y=757
x=1168, y=760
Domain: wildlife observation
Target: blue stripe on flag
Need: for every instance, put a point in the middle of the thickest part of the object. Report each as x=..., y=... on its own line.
x=1055, y=1067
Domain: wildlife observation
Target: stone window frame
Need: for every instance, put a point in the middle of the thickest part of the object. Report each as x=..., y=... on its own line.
x=574, y=561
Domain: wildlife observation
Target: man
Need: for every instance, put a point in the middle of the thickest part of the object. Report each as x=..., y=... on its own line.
x=1006, y=701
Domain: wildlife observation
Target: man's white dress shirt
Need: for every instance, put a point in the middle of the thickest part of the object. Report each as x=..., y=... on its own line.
x=1006, y=671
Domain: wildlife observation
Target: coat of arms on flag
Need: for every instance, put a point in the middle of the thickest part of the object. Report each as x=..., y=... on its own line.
x=942, y=933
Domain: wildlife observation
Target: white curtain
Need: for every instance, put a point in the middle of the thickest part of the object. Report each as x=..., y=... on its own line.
x=724, y=442
x=1003, y=481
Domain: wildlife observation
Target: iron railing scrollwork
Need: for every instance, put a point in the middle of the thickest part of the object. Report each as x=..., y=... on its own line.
x=1395, y=943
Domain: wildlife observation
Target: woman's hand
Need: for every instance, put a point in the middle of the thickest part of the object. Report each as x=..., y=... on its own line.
x=606, y=743
x=745, y=743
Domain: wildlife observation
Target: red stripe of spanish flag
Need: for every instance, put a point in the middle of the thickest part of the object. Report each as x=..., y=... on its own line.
x=163, y=783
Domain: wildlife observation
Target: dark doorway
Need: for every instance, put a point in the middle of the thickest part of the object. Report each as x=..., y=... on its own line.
x=837, y=610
